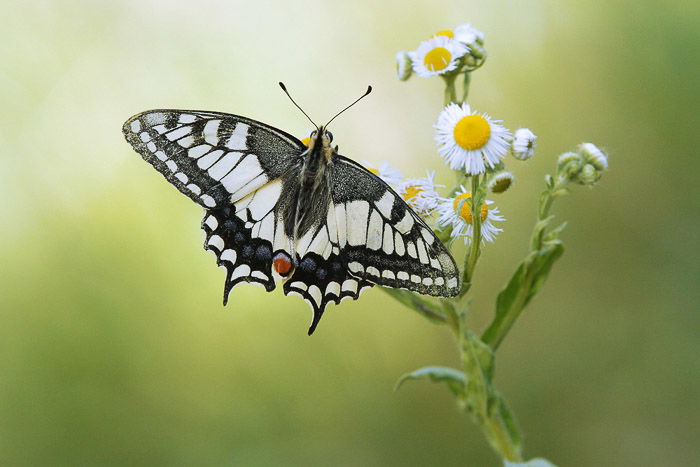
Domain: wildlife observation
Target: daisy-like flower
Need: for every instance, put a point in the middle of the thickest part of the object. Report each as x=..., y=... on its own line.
x=390, y=174
x=467, y=34
x=460, y=217
x=469, y=140
x=420, y=194
x=404, y=67
x=437, y=56
x=524, y=144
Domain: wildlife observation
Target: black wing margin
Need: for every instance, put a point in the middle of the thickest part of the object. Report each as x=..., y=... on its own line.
x=213, y=158
x=370, y=236
x=385, y=242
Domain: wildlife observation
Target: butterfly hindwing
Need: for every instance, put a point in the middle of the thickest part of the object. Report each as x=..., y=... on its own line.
x=369, y=236
x=386, y=242
x=322, y=275
x=214, y=158
x=246, y=259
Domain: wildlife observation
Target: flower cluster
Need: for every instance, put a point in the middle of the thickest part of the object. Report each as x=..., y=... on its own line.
x=447, y=51
x=477, y=148
x=585, y=166
x=471, y=143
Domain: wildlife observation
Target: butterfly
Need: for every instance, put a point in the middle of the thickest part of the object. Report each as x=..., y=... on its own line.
x=277, y=209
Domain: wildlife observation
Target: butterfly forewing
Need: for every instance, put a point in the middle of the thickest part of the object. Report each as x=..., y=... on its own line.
x=214, y=158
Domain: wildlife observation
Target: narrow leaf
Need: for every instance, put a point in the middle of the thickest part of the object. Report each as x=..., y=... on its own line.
x=542, y=266
x=536, y=462
x=454, y=379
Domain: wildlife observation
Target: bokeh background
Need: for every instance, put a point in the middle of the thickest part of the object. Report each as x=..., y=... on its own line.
x=114, y=346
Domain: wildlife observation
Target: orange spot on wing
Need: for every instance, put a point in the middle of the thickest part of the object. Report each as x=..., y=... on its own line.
x=282, y=265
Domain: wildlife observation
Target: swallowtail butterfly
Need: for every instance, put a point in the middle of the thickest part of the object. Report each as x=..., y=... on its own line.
x=277, y=209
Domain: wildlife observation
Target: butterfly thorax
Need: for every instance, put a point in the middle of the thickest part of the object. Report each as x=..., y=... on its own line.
x=317, y=158
x=314, y=192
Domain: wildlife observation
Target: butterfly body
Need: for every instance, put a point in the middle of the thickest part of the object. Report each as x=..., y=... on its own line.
x=276, y=209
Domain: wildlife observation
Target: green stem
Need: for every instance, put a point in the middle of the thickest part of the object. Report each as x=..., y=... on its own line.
x=472, y=258
x=465, y=86
x=500, y=439
x=450, y=90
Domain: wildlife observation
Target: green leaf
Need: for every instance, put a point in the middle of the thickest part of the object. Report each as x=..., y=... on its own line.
x=537, y=231
x=427, y=308
x=555, y=232
x=454, y=379
x=542, y=265
x=522, y=287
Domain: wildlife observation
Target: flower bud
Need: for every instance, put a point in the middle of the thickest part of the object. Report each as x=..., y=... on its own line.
x=501, y=182
x=588, y=175
x=524, y=144
x=467, y=34
x=593, y=155
x=404, y=66
x=569, y=164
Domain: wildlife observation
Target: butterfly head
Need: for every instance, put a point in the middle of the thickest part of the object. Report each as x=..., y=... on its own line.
x=320, y=143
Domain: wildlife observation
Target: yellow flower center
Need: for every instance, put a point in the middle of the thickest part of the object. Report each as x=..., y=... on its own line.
x=437, y=59
x=466, y=211
x=472, y=132
x=306, y=140
x=446, y=33
x=374, y=171
x=411, y=192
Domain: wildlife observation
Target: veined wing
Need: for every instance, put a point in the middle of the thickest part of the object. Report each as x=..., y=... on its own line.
x=213, y=158
x=370, y=236
x=384, y=241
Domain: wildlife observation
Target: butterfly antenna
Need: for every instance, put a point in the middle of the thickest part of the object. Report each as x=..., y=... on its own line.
x=284, y=88
x=369, y=89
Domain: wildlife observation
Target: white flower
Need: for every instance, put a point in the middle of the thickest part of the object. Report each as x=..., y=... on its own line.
x=594, y=155
x=470, y=141
x=524, y=144
x=460, y=217
x=437, y=56
x=420, y=194
x=404, y=67
x=467, y=34
x=390, y=174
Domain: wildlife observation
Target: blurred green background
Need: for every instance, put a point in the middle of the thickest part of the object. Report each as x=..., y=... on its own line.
x=114, y=346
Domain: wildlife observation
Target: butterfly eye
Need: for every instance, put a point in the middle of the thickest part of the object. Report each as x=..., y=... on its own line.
x=330, y=136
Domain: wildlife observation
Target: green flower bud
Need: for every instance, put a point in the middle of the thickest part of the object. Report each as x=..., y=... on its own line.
x=593, y=155
x=588, y=175
x=501, y=182
x=404, y=66
x=569, y=164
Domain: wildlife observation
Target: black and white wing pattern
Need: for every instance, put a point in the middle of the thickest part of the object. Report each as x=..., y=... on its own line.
x=246, y=175
x=234, y=168
x=214, y=158
x=371, y=236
